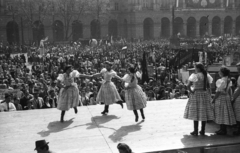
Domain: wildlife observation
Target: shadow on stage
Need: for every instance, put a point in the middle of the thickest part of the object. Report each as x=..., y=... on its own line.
x=57, y=126
x=123, y=131
x=96, y=122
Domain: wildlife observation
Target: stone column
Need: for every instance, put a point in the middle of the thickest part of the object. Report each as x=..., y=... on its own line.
x=210, y=29
x=138, y=30
x=157, y=30
x=171, y=29
x=185, y=28
x=222, y=27
x=234, y=28
x=197, y=29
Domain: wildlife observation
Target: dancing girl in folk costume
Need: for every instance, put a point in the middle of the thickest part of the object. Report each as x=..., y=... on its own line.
x=108, y=92
x=69, y=93
x=199, y=104
x=223, y=110
x=236, y=103
x=135, y=97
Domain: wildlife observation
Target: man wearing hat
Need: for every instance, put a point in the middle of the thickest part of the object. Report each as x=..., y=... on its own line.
x=236, y=102
x=42, y=146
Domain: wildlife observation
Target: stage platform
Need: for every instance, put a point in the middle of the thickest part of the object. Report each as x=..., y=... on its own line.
x=90, y=132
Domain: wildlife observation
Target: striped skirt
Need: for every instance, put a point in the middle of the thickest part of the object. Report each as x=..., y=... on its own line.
x=68, y=98
x=236, y=107
x=223, y=111
x=108, y=94
x=135, y=98
x=199, y=107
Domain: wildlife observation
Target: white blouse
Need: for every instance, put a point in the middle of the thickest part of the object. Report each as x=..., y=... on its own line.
x=194, y=77
x=222, y=84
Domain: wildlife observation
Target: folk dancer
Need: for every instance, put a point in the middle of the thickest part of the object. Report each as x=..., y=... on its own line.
x=236, y=102
x=135, y=97
x=199, y=104
x=108, y=92
x=69, y=93
x=223, y=110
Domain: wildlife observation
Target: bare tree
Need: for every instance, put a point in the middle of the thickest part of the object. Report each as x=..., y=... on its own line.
x=70, y=10
x=35, y=12
x=99, y=10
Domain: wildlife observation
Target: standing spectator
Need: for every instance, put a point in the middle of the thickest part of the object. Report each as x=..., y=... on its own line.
x=87, y=64
x=223, y=110
x=199, y=104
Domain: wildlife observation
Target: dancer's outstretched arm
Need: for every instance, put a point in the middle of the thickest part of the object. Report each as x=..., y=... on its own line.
x=118, y=77
x=85, y=76
x=97, y=75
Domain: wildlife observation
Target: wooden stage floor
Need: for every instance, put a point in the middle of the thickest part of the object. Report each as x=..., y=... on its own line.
x=90, y=132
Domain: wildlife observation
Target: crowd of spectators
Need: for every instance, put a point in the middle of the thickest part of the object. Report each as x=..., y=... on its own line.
x=30, y=78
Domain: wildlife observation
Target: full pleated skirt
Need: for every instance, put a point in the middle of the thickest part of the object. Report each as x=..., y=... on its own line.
x=108, y=94
x=68, y=98
x=135, y=98
x=236, y=107
x=223, y=111
x=199, y=107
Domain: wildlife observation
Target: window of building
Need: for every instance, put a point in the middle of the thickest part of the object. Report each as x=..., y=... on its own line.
x=116, y=7
x=9, y=7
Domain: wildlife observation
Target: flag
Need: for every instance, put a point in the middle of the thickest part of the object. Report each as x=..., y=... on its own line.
x=145, y=77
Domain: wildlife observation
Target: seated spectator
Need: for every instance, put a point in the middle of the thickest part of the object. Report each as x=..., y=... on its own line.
x=52, y=99
x=25, y=100
x=17, y=103
x=37, y=102
x=7, y=105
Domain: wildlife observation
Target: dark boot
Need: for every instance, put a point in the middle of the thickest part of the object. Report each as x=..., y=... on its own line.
x=238, y=129
x=136, y=115
x=62, y=116
x=202, y=132
x=195, y=132
x=142, y=113
x=75, y=110
x=223, y=130
x=105, y=109
x=120, y=103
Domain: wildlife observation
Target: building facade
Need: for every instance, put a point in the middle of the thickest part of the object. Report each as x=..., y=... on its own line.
x=141, y=19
